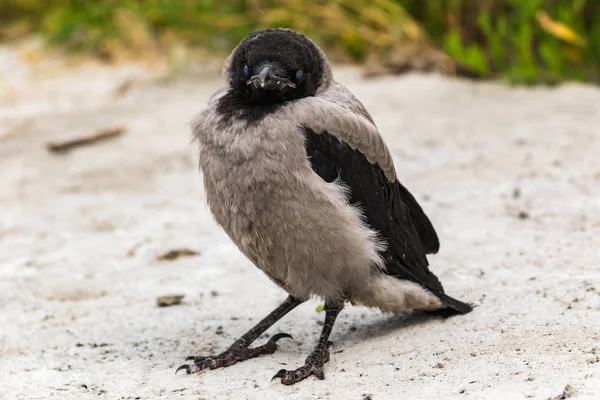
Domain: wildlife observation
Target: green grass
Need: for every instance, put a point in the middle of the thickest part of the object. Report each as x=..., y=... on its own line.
x=506, y=39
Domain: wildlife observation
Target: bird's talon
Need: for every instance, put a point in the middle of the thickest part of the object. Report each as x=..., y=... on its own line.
x=280, y=374
x=277, y=337
x=184, y=366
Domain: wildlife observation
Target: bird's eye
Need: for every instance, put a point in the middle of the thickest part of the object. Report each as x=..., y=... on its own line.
x=246, y=70
x=299, y=74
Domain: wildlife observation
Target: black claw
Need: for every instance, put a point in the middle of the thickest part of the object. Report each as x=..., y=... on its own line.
x=186, y=367
x=280, y=374
x=278, y=336
x=330, y=344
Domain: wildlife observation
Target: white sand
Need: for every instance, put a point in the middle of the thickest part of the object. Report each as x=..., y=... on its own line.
x=77, y=313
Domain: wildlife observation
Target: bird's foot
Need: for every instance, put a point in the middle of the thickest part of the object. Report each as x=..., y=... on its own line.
x=312, y=366
x=237, y=352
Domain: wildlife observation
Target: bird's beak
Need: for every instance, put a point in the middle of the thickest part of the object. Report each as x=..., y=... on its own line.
x=270, y=78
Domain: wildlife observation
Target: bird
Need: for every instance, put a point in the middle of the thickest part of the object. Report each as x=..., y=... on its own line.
x=298, y=175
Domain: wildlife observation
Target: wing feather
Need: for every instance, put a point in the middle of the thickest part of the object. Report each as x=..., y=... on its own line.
x=342, y=141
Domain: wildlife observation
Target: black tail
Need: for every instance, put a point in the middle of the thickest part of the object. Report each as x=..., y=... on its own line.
x=457, y=306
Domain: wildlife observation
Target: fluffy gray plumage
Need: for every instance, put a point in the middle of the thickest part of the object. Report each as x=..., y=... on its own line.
x=300, y=229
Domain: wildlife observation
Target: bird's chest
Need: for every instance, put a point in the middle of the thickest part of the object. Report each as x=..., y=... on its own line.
x=249, y=180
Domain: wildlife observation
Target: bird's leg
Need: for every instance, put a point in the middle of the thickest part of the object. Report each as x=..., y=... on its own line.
x=240, y=350
x=320, y=355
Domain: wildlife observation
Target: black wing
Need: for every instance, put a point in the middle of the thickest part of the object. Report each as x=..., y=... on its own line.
x=388, y=206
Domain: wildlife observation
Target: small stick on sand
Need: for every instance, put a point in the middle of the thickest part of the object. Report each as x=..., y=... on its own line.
x=96, y=137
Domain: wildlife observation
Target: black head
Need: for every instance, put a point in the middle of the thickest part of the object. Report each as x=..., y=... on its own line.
x=274, y=66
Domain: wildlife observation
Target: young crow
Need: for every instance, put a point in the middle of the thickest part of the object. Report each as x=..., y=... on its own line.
x=297, y=174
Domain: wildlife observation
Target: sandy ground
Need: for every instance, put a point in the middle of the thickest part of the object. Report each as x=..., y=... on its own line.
x=510, y=178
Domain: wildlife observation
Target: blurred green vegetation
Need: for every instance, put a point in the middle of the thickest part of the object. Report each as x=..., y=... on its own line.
x=525, y=41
